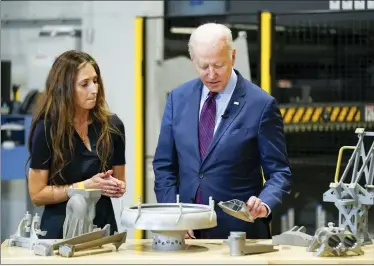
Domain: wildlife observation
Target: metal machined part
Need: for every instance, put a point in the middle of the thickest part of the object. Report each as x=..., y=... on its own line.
x=28, y=231
x=80, y=211
x=293, y=237
x=238, y=246
x=334, y=241
x=236, y=208
x=43, y=248
x=96, y=234
x=68, y=250
x=169, y=222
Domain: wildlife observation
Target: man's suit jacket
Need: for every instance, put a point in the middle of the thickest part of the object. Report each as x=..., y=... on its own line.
x=248, y=137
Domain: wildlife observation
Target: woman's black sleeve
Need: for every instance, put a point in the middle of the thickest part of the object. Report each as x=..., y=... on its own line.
x=40, y=151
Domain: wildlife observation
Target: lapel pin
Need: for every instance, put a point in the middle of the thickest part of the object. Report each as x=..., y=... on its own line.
x=236, y=103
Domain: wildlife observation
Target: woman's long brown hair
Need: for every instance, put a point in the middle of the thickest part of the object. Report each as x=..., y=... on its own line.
x=56, y=107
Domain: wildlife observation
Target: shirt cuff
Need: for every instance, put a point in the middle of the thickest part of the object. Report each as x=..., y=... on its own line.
x=267, y=207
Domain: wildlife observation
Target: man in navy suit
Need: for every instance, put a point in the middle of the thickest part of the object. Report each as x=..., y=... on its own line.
x=218, y=133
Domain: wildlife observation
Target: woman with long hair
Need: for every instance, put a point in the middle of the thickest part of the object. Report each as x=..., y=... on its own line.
x=75, y=142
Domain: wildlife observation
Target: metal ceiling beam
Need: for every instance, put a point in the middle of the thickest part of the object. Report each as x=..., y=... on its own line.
x=37, y=23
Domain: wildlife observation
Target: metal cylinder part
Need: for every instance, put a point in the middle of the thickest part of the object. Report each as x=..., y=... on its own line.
x=236, y=242
x=168, y=240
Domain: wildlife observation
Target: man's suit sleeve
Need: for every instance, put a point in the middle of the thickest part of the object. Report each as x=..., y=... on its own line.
x=165, y=162
x=273, y=154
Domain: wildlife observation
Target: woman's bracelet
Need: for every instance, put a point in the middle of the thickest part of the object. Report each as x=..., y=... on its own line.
x=80, y=185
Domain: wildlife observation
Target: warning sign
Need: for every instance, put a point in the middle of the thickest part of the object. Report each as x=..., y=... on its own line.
x=369, y=113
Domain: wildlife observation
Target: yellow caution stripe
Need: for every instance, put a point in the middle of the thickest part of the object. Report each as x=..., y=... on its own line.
x=320, y=114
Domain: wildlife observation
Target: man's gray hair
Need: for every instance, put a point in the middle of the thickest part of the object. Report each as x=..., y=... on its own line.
x=210, y=32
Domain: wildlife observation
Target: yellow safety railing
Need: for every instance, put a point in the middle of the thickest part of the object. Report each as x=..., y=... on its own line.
x=338, y=164
x=265, y=59
x=139, y=121
x=265, y=39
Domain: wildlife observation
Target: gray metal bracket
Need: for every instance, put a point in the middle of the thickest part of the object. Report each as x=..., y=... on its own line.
x=236, y=208
x=27, y=233
x=238, y=246
x=68, y=250
x=47, y=249
x=293, y=237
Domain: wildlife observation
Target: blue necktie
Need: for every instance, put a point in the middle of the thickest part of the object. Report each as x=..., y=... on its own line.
x=206, y=131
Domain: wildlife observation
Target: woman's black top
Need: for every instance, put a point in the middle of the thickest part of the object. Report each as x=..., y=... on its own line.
x=83, y=165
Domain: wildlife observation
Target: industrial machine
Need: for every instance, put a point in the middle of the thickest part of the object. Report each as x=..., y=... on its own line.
x=322, y=75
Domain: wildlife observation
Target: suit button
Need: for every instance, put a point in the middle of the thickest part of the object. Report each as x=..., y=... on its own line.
x=201, y=175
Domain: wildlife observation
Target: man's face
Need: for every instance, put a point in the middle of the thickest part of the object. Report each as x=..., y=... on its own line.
x=214, y=64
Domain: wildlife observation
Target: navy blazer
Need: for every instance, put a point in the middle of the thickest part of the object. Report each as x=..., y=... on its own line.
x=250, y=137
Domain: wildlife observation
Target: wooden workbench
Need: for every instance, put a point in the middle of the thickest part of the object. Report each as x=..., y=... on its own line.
x=196, y=252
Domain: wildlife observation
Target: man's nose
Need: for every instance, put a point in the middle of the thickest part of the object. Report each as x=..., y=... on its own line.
x=212, y=73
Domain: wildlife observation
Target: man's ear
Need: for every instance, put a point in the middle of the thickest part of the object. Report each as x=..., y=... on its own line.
x=233, y=57
x=192, y=56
